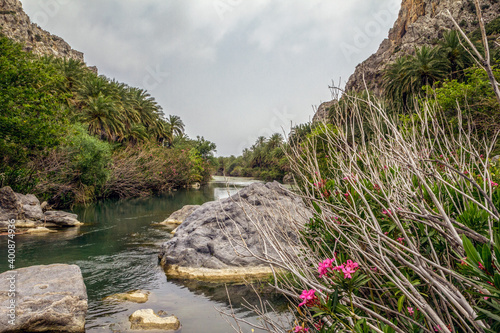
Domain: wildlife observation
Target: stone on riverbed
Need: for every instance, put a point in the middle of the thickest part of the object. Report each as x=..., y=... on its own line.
x=146, y=319
x=180, y=215
x=209, y=244
x=49, y=298
x=136, y=296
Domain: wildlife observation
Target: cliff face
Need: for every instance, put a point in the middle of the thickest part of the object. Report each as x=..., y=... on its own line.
x=420, y=22
x=16, y=24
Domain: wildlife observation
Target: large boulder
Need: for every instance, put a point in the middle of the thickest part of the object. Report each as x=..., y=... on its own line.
x=31, y=209
x=10, y=206
x=49, y=298
x=213, y=242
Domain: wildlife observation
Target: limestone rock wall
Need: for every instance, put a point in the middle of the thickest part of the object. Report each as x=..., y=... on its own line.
x=420, y=22
x=16, y=24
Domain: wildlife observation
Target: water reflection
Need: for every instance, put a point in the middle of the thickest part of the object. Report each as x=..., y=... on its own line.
x=117, y=249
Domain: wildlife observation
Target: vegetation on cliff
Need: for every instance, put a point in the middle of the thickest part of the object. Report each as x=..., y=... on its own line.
x=71, y=136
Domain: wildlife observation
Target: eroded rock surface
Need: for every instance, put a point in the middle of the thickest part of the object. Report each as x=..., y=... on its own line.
x=16, y=24
x=49, y=298
x=210, y=242
x=420, y=22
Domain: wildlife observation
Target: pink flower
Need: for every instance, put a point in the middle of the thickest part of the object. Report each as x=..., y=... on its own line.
x=410, y=311
x=318, y=325
x=374, y=269
x=309, y=298
x=437, y=329
x=299, y=329
x=345, y=178
x=481, y=266
x=387, y=212
x=324, y=267
x=493, y=184
x=400, y=240
x=462, y=262
x=350, y=267
x=346, y=195
x=386, y=233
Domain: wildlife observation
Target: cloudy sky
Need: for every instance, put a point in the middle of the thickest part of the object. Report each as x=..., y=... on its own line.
x=231, y=69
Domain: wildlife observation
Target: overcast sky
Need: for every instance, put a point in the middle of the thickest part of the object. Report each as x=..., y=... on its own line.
x=231, y=69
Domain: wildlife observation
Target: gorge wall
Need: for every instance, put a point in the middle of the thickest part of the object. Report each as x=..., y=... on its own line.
x=16, y=24
x=420, y=22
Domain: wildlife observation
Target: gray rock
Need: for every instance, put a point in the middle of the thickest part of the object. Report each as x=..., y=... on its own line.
x=202, y=240
x=10, y=207
x=48, y=299
x=62, y=219
x=31, y=209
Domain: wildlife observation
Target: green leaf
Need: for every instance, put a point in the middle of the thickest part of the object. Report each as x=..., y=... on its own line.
x=470, y=251
x=489, y=314
x=401, y=302
x=486, y=256
x=316, y=207
x=497, y=280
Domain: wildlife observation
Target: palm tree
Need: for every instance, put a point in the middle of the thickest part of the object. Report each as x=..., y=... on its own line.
x=452, y=50
x=175, y=128
x=404, y=79
x=102, y=118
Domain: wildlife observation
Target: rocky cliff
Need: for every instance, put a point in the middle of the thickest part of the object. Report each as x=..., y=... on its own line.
x=420, y=22
x=16, y=24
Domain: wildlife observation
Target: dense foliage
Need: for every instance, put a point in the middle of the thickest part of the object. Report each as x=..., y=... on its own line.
x=71, y=136
x=264, y=160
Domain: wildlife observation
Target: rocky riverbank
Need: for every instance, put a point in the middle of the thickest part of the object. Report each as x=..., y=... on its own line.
x=29, y=215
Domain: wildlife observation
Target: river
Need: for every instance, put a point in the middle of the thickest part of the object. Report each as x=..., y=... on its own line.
x=117, y=250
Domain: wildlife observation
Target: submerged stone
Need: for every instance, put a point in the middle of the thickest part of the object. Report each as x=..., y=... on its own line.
x=146, y=319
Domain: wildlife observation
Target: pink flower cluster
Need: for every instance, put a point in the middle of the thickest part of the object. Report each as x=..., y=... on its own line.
x=493, y=184
x=348, y=268
x=300, y=329
x=309, y=298
x=325, y=266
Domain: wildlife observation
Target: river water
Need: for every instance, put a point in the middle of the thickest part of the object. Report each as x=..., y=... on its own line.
x=117, y=250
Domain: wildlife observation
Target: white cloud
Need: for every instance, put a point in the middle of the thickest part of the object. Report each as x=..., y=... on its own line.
x=227, y=70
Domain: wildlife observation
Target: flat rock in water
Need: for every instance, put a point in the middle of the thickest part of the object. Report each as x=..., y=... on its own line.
x=209, y=242
x=180, y=215
x=146, y=319
x=49, y=298
x=62, y=219
x=136, y=296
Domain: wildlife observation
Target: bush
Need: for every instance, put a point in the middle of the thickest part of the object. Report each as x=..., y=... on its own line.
x=394, y=216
